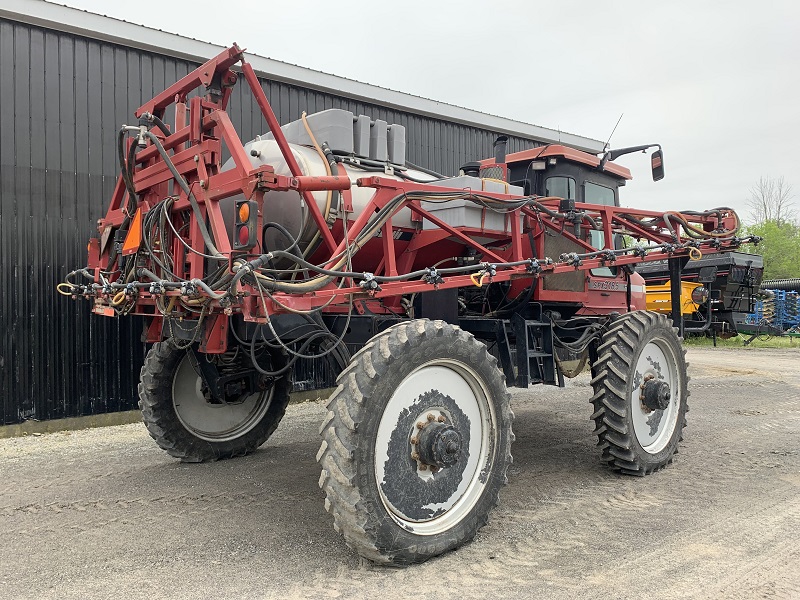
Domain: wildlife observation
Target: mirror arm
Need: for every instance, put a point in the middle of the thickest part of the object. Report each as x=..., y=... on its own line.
x=612, y=155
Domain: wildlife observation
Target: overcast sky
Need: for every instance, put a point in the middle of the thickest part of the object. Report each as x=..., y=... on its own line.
x=716, y=83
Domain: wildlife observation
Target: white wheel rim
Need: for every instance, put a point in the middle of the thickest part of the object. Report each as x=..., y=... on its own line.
x=654, y=428
x=460, y=383
x=214, y=422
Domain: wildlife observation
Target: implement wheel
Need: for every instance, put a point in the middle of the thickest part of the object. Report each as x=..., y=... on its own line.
x=188, y=423
x=416, y=443
x=640, y=393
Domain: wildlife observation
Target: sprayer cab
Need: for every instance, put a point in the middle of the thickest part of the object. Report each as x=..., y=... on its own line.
x=559, y=171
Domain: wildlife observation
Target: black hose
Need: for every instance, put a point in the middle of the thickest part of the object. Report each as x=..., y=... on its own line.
x=122, y=165
x=385, y=279
x=127, y=179
x=323, y=333
x=133, y=199
x=293, y=247
x=424, y=170
x=187, y=190
x=788, y=285
x=558, y=215
x=293, y=241
x=579, y=345
x=374, y=165
x=329, y=155
x=161, y=125
x=521, y=300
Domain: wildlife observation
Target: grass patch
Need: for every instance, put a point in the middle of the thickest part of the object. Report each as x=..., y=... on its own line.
x=739, y=340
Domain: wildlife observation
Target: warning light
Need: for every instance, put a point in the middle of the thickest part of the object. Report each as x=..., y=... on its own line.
x=245, y=224
x=244, y=235
x=244, y=212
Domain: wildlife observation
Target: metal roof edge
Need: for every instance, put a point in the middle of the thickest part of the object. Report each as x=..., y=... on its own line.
x=80, y=22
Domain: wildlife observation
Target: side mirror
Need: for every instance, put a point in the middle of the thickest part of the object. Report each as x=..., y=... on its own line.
x=657, y=165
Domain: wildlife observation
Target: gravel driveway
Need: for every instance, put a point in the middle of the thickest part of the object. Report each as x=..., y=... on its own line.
x=105, y=514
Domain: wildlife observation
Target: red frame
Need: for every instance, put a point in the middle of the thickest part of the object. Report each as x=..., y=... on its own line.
x=203, y=126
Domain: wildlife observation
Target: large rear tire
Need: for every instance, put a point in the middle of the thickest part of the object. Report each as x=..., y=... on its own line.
x=416, y=443
x=184, y=420
x=640, y=393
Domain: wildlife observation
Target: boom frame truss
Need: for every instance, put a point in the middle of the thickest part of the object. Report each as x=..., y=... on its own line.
x=202, y=126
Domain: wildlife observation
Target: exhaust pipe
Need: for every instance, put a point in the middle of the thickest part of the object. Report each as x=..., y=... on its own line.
x=500, y=149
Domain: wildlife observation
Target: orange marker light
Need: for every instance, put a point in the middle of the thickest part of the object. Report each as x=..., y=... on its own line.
x=244, y=212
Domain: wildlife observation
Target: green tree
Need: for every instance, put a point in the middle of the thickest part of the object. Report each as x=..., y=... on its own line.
x=780, y=248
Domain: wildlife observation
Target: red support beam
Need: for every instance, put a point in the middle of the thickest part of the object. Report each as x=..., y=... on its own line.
x=202, y=126
x=202, y=75
x=286, y=151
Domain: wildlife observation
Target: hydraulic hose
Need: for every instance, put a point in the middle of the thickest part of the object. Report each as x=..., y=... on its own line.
x=158, y=123
x=558, y=215
x=424, y=170
x=691, y=231
x=121, y=155
x=201, y=221
x=176, y=284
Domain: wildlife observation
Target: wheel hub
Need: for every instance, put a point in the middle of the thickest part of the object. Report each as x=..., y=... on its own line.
x=438, y=445
x=217, y=417
x=655, y=393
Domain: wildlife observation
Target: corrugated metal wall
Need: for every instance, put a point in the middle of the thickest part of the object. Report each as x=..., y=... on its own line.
x=62, y=100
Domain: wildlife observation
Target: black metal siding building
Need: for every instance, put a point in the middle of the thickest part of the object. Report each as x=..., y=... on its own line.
x=66, y=86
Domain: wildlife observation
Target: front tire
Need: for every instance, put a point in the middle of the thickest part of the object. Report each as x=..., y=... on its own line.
x=640, y=393
x=186, y=424
x=416, y=444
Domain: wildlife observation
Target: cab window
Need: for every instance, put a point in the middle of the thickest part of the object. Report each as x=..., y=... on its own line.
x=594, y=193
x=597, y=240
x=560, y=187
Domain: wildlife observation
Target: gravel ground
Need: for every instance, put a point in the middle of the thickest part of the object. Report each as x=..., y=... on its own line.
x=105, y=514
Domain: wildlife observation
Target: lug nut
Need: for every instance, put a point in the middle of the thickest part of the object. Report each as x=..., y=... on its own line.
x=420, y=425
x=431, y=417
x=414, y=456
x=423, y=467
x=646, y=379
x=434, y=469
x=414, y=441
x=441, y=419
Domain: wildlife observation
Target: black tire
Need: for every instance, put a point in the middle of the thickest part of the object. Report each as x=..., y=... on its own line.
x=157, y=403
x=417, y=355
x=635, y=438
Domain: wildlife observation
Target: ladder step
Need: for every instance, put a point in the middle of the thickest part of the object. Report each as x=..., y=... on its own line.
x=536, y=354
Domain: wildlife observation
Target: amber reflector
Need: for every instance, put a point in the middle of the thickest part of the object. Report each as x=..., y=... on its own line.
x=244, y=212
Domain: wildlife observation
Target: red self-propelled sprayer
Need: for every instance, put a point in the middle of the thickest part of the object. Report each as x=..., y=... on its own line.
x=430, y=295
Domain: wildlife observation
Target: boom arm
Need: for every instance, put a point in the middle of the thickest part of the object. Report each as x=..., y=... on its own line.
x=167, y=270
